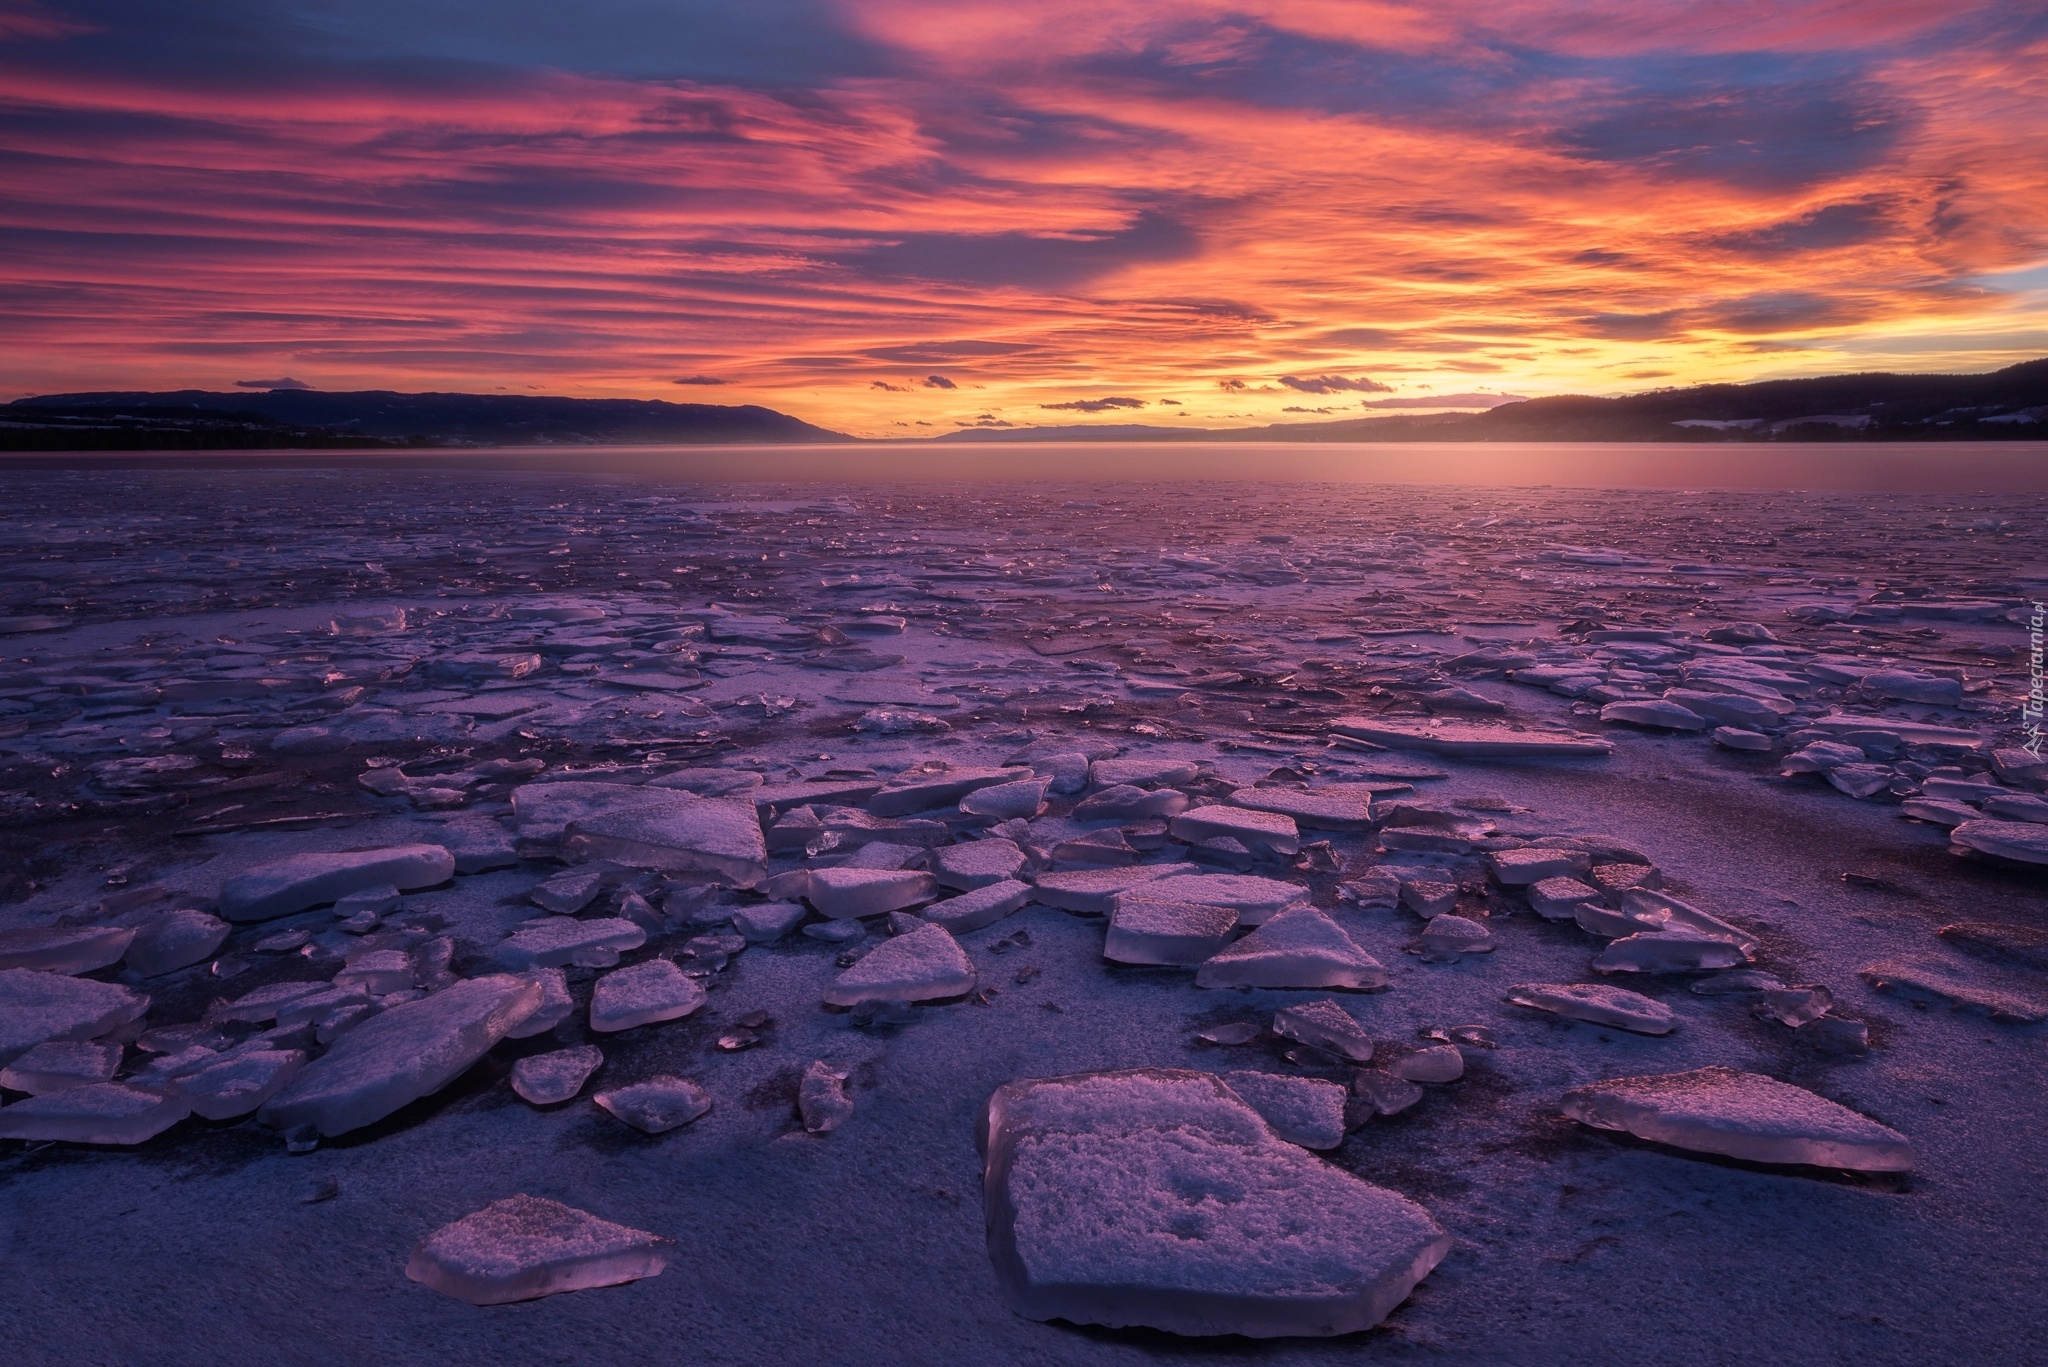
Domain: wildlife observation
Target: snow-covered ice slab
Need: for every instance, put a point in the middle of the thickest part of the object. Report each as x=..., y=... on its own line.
x=658, y=1105
x=300, y=881
x=719, y=837
x=644, y=994
x=925, y=964
x=1254, y=899
x=174, y=940
x=64, y=949
x=1469, y=739
x=560, y=941
x=240, y=1083
x=525, y=1247
x=57, y=1065
x=1327, y=1026
x=551, y=1078
x=1316, y=809
x=1598, y=1004
x=1182, y=934
x=984, y=906
x=1302, y=1110
x=36, y=1006
x=1095, y=890
x=1256, y=829
x=100, y=1113
x=1158, y=1197
x=844, y=894
x=1299, y=948
x=2025, y=842
x=410, y=1051
x=1741, y=1115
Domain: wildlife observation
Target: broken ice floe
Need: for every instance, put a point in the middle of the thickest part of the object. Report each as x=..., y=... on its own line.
x=525, y=1247
x=1157, y=1197
x=1741, y=1115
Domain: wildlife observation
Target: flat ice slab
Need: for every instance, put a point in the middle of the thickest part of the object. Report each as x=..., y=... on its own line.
x=1299, y=948
x=300, y=881
x=1741, y=1115
x=717, y=837
x=1598, y=1004
x=643, y=994
x=525, y=1247
x=1469, y=738
x=1157, y=1197
x=926, y=964
x=36, y=1006
x=412, y=1050
x=101, y=1113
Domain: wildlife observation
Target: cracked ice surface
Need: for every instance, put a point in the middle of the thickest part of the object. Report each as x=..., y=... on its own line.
x=366, y=800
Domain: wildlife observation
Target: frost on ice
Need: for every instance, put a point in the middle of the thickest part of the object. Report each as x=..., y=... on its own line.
x=1741, y=1115
x=525, y=1247
x=1157, y=1197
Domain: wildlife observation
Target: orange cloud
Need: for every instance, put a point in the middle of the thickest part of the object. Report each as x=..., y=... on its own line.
x=1146, y=200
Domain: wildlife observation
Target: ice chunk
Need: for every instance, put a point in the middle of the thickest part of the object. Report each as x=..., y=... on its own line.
x=1558, y=899
x=1926, y=980
x=1254, y=899
x=1021, y=800
x=300, y=881
x=1741, y=1115
x=263, y=1005
x=660, y=1104
x=565, y=894
x=926, y=964
x=982, y=907
x=1428, y=1063
x=560, y=941
x=821, y=1098
x=1737, y=738
x=977, y=863
x=1140, y=771
x=50, y=1006
x=843, y=894
x=174, y=940
x=64, y=949
x=546, y=1079
x=56, y=1065
x=1520, y=868
x=1302, y=1110
x=1125, y=802
x=378, y=972
x=1679, y=950
x=1794, y=1006
x=2023, y=841
x=524, y=1247
x=1447, y=936
x=1143, y=931
x=919, y=792
x=410, y=1051
x=1381, y=1093
x=1326, y=1026
x=1473, y=739
x=478, y=845
x=768, y=922
x=1158, y=1197
x=555, y=1006
x=1317, y=809
x=1299, y=948
x=1598, y=1004
x=240, y=1083
x=99, y=1113
x=1257, y=830
x=655, y=990
x=1428, y=898
x=1655, y=713
x=1094, y=890
x=715, y=836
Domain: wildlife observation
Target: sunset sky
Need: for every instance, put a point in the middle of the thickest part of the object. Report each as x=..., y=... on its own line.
x=904, y=216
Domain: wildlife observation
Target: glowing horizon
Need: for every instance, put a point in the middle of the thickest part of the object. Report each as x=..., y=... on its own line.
x=893, y=217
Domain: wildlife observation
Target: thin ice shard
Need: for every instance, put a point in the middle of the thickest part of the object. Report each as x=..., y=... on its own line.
x=525, y=1247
